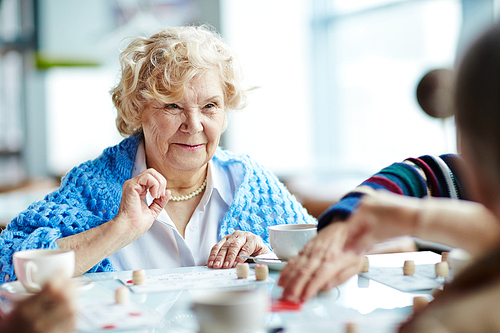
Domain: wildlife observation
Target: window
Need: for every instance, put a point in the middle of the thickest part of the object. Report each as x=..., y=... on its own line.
x=371, y=56
x=337, y=82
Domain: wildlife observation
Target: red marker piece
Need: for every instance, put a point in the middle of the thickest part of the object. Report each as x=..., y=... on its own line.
x=285, y=306
x=108, y=327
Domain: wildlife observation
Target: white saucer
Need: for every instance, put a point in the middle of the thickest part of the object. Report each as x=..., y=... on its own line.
x=276, y=265
x=15, y=291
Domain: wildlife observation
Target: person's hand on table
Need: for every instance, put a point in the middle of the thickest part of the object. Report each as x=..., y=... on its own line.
x=133, y=209
x=226, y=253
x=379, y=217
x=52, y=310
x=320, y=265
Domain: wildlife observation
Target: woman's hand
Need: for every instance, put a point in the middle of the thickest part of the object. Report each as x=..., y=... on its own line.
x=52, y=310
x=320, y=265
x=226, y=253
x=134, y=218
x=379, y=217
x=133, y=210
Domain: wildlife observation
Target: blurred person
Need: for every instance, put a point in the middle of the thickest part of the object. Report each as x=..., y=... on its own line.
x=473, y=226
x=167, y=195
x=52, y=310
x=472, y=296
x=410, y=198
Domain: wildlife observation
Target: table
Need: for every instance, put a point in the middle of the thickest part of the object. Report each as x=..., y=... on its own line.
x=373, y=306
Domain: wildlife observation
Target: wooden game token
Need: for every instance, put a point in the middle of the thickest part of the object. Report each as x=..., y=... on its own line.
x=409, y=267
x=139, y=276
x=122, y=295
x=444, y=256
x=365, y=265
x=419, y=302
x=442, y=269
x=261, y=272
x=351, y=328
x=242, y=270
x=436, y=292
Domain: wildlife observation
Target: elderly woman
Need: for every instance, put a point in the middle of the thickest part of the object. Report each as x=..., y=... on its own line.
x=166, y=196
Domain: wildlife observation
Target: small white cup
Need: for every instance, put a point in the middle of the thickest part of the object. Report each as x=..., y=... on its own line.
x=231, y=311
x=34, y=267
x=288, y=239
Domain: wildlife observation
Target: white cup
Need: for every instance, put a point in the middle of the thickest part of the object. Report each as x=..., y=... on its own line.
x=240, y=311
x=288, y=239
x=34, y=267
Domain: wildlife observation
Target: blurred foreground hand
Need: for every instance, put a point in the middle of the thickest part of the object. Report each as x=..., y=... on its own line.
x=52, y=310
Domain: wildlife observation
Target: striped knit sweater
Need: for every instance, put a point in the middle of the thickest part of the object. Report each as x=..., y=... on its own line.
x=437, y=176
x=90, y=195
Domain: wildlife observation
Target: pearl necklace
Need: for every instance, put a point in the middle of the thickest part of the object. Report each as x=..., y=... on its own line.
x=190, y=195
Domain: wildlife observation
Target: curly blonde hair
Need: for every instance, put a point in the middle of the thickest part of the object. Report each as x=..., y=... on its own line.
x=159, y=68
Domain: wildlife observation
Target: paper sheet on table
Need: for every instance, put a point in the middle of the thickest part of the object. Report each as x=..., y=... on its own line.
x=423, y=279
x=212, y=278
x=379, y=321
x=93, y=316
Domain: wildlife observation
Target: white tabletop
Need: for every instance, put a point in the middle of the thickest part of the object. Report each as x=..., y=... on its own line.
x=373, y=306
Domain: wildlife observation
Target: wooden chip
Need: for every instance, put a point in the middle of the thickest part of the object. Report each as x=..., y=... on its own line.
x=242, y=270
x=351, y=328
x=122, y=295
x=139, y=276
x=442, y=269
x=365, y=266
x=409, y=267
x=419, y=302
x=261, y=272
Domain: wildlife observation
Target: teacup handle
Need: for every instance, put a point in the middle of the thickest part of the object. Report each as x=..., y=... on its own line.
x=30, y=268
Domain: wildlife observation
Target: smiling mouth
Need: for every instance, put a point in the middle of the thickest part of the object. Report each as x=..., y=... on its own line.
x=190, y=146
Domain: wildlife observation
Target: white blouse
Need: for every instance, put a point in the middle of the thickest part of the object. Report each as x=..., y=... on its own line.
x=162, y=246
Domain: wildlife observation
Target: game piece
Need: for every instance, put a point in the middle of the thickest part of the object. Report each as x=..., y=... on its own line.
x=442, y=269
x=409, y=267
x=365, y=266
x=242, y=270
x=419, y=302
x=122, y=295
x=279, y=306
x=444, y=256
x=138, y=277
x=261, y=272
x=351, y=328
x=436, y=292
x=363, y=282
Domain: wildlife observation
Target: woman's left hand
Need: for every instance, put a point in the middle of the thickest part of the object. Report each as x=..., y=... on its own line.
x=226, y=253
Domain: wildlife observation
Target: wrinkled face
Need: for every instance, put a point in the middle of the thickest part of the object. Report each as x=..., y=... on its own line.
x=184, y=135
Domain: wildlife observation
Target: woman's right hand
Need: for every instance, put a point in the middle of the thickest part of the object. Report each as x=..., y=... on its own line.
x=134, y=218
x=133, y=210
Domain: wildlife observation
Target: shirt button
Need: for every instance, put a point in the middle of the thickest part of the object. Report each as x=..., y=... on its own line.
x=193, y=228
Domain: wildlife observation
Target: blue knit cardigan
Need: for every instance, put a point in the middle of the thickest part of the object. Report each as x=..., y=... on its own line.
x=90, y=195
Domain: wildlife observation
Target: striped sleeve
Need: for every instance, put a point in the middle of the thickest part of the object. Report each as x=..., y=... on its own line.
x=415, y=177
